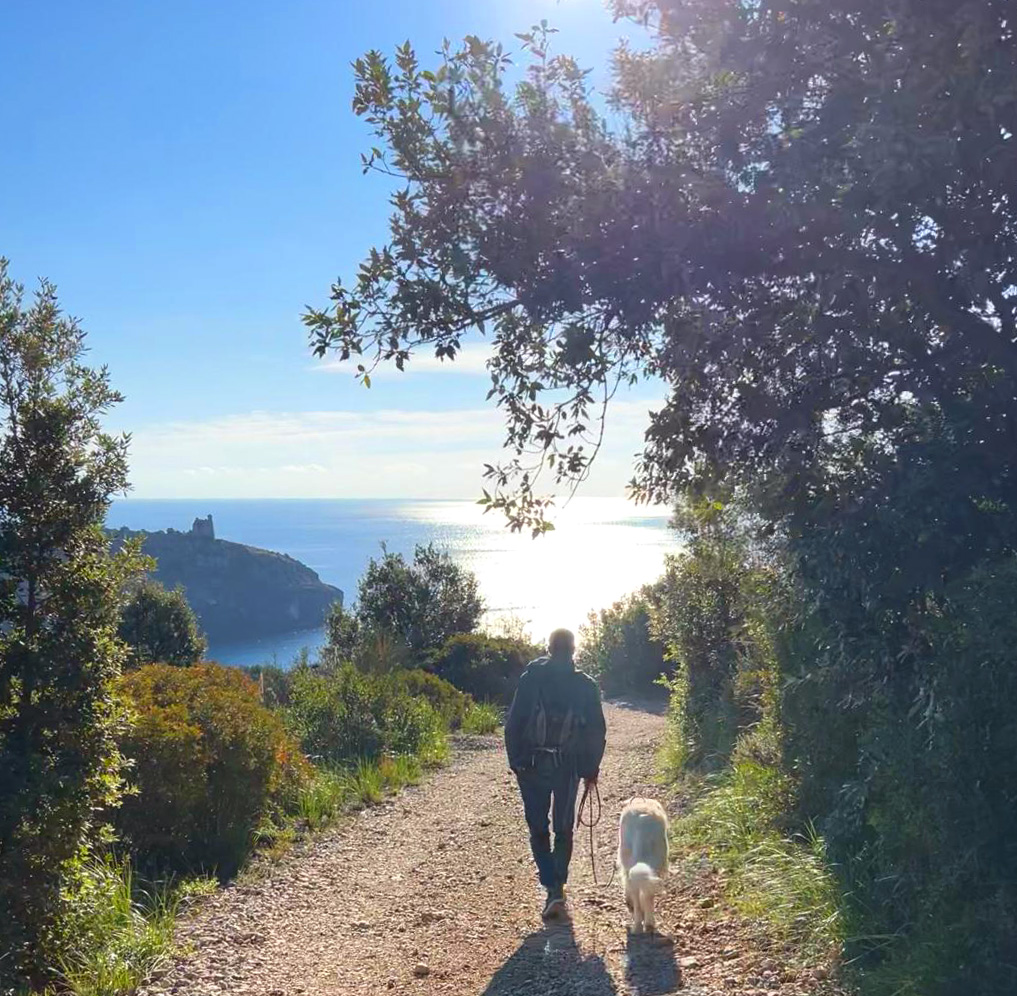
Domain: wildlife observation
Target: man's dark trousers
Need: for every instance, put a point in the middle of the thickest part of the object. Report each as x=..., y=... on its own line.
x=550, y=780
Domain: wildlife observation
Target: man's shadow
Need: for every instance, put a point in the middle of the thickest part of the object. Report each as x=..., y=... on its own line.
x=550, y=963
x=650, y=967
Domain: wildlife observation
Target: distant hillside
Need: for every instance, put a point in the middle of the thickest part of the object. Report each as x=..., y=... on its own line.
x=236, y=591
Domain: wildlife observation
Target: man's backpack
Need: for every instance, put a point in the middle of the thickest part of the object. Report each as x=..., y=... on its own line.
x=553, y=726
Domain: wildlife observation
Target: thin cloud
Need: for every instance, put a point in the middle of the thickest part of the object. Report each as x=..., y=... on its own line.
x=399, y=453
x=264, y=428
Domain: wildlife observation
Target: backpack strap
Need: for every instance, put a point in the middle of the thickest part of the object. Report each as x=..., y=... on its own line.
x=537, y=734
x=538, y=724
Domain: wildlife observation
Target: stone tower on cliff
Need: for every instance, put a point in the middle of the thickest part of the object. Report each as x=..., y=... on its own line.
x=203, y=528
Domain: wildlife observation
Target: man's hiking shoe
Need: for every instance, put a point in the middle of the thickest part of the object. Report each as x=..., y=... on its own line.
x=555, y=904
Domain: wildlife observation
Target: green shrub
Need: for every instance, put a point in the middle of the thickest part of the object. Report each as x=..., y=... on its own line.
x=405, y=610
x=676, y=747
x=344, y=716
x=333, y=715
x=209, y=761
x=723, y=618
x=159, y=627
x=892, y=718
x=618, y=646
x=710, y=611
x=418, y=603
x=450, y=703
x=481, y=718
x=342, y=636
x=485, y=667
x=273, y=683
x=908, y=766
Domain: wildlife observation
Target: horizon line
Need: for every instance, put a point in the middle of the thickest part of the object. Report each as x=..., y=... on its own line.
x=354, y=498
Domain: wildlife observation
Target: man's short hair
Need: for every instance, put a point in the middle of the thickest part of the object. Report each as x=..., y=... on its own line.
x=562, y=641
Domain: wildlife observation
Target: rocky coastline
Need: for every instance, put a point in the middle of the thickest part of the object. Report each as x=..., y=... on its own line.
x=236, y=591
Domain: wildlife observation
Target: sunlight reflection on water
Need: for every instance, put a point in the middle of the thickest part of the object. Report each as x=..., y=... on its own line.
x=601, y=549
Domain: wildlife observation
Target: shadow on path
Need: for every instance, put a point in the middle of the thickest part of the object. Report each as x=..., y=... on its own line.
x=650, y=968
x=550, y=963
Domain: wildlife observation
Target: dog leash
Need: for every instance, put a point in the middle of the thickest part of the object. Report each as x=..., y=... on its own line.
x=593, y=812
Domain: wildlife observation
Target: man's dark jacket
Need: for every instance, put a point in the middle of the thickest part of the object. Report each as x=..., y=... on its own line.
x=561, y=686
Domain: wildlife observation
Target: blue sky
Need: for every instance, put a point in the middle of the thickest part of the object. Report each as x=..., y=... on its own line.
x=188, y=174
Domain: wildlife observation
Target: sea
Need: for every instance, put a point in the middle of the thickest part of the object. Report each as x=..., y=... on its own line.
x=600, y=550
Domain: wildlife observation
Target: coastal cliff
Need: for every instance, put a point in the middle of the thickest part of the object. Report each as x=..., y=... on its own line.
x=236, y=591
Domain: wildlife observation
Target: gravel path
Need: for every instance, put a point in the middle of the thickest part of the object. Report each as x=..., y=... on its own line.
x=434, y=892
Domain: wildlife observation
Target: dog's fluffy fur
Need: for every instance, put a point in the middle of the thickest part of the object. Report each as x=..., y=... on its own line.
x=642, y=858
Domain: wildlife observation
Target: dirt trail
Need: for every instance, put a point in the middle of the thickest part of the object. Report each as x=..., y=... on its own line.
x=435, y=892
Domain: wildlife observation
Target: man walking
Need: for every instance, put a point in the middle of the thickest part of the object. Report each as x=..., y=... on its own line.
x=554, y=736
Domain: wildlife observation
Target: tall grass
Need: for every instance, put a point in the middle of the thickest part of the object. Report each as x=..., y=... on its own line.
x=119, y=931
x=674, y=751
x=367, y=782
x=332, y=791
x=780, y=879
x=326, y=793
x=399, y=770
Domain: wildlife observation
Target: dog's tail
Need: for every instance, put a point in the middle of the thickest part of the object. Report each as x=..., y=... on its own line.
x=643, y=877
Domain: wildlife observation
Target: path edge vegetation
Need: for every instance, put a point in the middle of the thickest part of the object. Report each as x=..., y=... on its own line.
x=120, y=925
x=805, y=228
x=136, y=776
x=799, y=216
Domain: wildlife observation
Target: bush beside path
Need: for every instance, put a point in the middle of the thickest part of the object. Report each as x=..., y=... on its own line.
x=434, y=892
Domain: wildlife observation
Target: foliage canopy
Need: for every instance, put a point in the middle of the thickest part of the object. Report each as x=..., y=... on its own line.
x=419, y=603
x=805, y=230
x=159, y=626
x=804, y=226
x=60, y=718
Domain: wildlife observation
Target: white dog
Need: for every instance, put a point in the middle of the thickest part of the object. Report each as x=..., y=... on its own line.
x=642, y=857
